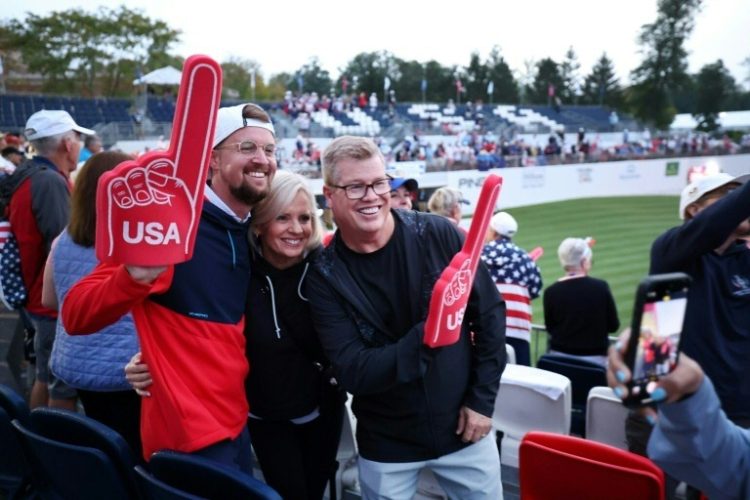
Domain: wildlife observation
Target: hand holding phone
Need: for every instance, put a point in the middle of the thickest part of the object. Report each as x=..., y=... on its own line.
x=658, y=315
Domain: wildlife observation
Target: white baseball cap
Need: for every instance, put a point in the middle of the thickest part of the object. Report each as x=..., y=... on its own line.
x=49, y=122
x=504, y=224
x=693, y=191
x=230, y=119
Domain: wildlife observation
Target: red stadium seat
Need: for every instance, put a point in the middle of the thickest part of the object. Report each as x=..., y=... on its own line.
x=556, y=466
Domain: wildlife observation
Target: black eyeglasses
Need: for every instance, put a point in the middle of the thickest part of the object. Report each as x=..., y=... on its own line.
x=359, y=191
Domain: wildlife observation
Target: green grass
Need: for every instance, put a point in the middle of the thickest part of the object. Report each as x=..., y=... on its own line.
x=623, y=227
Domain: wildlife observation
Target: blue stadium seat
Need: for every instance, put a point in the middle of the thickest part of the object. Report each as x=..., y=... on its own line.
x=154, y=489
x=583, y=376
x=15, y=476
x=205, y=478
x=77, y=456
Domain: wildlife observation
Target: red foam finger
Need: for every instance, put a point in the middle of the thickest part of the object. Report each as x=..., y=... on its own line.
x=451, y=292
x=195, y=114
x=536, y=253
x=151, y=217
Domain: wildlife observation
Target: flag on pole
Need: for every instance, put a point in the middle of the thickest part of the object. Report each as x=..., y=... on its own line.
x=491, y=87
x=344, y=84
x=300, y=81
x=386, y=83
x=459, y=85
x=551, y=90
x=252, y=79
x=424, y=84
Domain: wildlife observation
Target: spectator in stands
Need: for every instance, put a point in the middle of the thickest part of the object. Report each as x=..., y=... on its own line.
x=709, y=247
x=373, y=101
x=416, y=407
x=92, y=364
x=91, y=145
x=12, y=157
x=518, y=280
x=38, y=211
x=693, y=440
x=447, y=202
x=403, y=192
x=198, y=365
x=579, y=311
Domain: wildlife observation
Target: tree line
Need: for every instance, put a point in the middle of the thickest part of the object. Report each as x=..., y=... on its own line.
x=99, y=53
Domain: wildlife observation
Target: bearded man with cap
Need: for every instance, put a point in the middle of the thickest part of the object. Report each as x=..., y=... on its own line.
x=38, y=211
x=518, y=280
x=709, y=246
x=190, y=316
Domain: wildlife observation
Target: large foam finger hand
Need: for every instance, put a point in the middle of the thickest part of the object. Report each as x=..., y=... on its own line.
x=451, y=292
x=148, y=209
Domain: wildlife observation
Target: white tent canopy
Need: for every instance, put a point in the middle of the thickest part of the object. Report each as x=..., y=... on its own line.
x=162, y=76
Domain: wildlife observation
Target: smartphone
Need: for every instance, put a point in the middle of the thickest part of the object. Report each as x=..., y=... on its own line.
x=658, y=315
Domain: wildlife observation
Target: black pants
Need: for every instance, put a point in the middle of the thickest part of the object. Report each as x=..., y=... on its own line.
x=119, y=410
x=298, y=460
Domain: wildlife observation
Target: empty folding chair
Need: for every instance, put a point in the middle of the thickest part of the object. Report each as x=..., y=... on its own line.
x=205, y=478
x=605, y=418
x=529, y=399
x=554, y=466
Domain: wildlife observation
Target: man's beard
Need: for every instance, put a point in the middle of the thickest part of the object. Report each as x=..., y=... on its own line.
x=248, y=194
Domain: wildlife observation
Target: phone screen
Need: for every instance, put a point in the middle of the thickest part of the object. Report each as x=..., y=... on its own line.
x=659, y=338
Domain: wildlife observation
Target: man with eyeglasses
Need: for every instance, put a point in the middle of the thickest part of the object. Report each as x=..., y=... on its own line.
x=195, y=337
x=38, y=211
x=369, y=292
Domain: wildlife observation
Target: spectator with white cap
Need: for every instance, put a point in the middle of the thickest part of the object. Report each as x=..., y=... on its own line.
x=190, y=316
x=709, y=246
x=518, y=280
x=38, y=211
x=402, y=191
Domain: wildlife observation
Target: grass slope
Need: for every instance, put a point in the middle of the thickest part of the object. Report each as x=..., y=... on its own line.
x=623, y=227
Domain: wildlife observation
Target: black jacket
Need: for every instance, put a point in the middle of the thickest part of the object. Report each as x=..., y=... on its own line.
x=282, y=346
x=407, y=397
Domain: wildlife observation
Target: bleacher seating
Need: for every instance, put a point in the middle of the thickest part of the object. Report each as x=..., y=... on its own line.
x=88, y=112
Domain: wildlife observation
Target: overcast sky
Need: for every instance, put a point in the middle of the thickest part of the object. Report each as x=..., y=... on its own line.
x=284, y=35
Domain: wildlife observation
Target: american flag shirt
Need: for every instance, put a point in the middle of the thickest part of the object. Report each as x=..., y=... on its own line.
x=518, y=280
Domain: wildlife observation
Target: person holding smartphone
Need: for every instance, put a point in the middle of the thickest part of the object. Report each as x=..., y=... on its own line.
x=692, y=440
x=709, y=247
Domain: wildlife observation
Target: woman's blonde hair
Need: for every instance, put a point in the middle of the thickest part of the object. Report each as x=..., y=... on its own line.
x=284, y=189
x=443, y=201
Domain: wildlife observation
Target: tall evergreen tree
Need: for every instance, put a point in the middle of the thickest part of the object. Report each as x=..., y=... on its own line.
x=601, y=86
x=664, y=67
x=547, y=81
x=570, y=74
x=499, y=73
x=714, y=85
